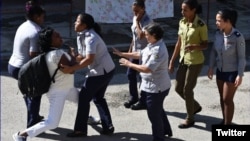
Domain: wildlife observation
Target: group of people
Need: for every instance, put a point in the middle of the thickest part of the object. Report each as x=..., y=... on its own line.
x=147, y=56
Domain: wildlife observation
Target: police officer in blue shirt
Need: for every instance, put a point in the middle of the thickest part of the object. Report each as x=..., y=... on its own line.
x=92, y=53
x=228, y=57
x=156, y=82
x=140, y=20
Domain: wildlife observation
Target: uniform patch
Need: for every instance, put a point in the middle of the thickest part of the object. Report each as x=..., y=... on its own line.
x=156, y=56
x=237, y=34
x=242, y=44
x=201, y=23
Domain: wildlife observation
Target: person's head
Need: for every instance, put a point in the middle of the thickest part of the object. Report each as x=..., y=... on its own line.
x=226, y=19
x=138, y=7
x=34, y=12
x=153, y=32
x=190, y=8
x=49, y=38
x=86, y=21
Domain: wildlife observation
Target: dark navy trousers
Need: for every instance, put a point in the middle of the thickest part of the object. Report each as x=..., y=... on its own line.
x=32, y=104
x=157, y=115
x=133, y=79
x=93, y=88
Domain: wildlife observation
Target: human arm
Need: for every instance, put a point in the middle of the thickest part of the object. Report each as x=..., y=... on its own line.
x=202, y=46
x=133, y=55
x=212, y=62
x=175, y=54
x=82, y=64
x=131, y=46
x=241, y=49
x=139, y=30
x=139, y=68
x=65, y=61
x=33, y=54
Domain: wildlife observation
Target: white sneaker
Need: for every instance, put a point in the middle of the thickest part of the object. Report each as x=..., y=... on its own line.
x=93, y=121
x=16, y=137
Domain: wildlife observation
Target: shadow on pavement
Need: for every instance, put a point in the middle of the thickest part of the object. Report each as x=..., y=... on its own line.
x=207, y=120
x=122, y=136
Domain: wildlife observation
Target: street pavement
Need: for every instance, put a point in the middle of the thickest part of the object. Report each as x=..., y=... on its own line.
x=129, y=125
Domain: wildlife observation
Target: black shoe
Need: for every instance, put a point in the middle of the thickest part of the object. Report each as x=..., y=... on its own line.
x=76, y=134
x=198, y=110
x=186, y=125
x=129, y=103
x=108, y=131
x=40, y=118
x=138, y=106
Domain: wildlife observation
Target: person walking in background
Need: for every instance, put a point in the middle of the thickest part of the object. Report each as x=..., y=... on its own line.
x=92, y=53
x=51, y=42
x=192, y=40
x=156, y=82
x=139, y=42
x=228, y=56
x=25, y=47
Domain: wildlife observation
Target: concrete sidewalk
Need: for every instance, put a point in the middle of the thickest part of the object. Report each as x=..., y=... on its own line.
x=129, y=125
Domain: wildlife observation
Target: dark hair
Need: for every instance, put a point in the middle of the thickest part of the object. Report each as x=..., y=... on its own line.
x=193, y=4
x=32, y=9
x=90, y=22
x=228, y=14
x=155, y=29
x=140, y=3
x=45, y=39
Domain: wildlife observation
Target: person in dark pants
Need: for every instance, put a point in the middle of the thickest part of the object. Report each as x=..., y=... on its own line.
x=92, y=53
x=140, y=20
x=192, y=40
x=25, y=48
x=156, y=82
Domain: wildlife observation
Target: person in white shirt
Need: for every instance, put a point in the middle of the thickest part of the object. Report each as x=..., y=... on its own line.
x=25, y=48
x=51, y=42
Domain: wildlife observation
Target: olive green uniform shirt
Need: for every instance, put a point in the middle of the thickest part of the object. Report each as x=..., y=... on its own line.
x=193, y=33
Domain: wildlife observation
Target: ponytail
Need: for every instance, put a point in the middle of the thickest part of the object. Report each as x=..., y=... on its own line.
x=229, y=15
x=89, y=21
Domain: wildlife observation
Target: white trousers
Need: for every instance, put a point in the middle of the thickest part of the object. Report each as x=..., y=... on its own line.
x=56, y=99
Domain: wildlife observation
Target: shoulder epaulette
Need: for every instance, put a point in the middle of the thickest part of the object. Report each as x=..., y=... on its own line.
x=237, y=34
x=87, y=34
x=200, y=22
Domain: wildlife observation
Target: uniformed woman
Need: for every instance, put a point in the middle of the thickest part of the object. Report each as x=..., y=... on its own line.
x=192, y=40
x=156, y=82
x=140, y=20
x=93, y=53
x=228, y=57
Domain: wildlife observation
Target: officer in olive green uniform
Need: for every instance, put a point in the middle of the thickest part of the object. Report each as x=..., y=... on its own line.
x=191, y=42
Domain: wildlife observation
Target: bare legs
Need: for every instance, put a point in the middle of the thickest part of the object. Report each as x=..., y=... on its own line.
x=227, y=92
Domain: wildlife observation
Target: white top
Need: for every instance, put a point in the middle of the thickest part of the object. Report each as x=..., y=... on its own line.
x=25, y=42
x=62, y=80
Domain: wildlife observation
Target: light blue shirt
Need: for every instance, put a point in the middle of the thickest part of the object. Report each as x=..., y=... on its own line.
x=155, y=57
x=89, y=42
x=228, y=52
x=139, y=44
